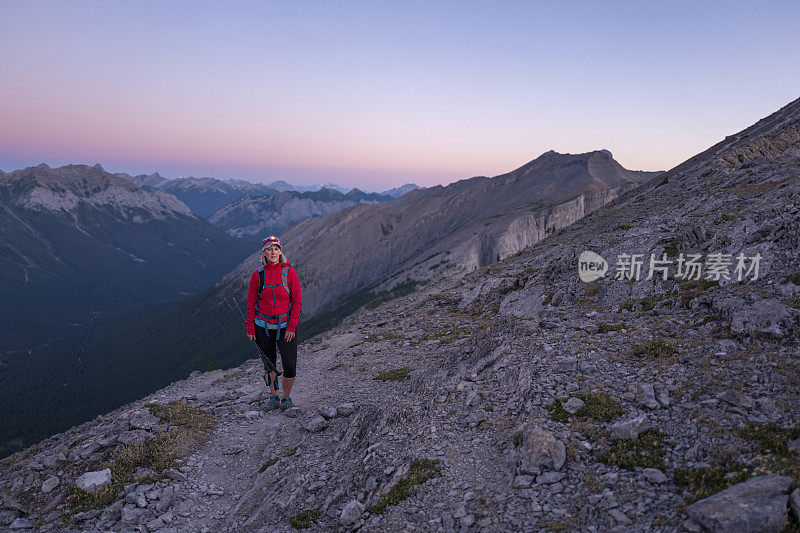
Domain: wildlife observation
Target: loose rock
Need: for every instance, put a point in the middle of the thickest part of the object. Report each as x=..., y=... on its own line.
x=540, y=449
x=49, y=484
x=758, y=504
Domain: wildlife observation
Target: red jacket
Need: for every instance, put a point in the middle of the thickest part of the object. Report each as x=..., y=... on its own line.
x=272, y=276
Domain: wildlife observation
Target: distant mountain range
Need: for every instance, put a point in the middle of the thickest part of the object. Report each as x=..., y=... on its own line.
x=205, y=196
x=284, y=186
x=78, y=244
x=254, y=217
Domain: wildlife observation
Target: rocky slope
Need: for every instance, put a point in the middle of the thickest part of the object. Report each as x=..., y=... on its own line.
x=254, y=217
x=515, y=398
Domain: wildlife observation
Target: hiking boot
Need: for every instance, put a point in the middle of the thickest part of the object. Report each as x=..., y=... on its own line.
x=286, y=403
x=273, y=403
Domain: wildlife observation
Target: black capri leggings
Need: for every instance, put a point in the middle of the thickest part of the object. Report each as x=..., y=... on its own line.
x=266, y=341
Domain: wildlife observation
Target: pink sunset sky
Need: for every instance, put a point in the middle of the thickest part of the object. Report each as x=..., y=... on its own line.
x=376, y=94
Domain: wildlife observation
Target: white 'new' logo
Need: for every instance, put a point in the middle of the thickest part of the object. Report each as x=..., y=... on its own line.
x=591, y=266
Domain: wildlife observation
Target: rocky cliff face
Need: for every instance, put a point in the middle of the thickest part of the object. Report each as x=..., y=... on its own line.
x=255, y=217
x=66, y=188
x=515, y=397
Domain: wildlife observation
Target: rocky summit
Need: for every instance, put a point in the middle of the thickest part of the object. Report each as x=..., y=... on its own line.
x=517, y=397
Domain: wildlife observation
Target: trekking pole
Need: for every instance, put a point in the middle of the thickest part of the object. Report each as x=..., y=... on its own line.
x=267, y=361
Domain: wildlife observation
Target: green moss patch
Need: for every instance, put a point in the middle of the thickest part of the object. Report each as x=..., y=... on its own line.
x=598, y=406
x=771, y=438
x=388, y=336
x=605, y=328
x=646, y=451
x=420, y=471
x=772, y=441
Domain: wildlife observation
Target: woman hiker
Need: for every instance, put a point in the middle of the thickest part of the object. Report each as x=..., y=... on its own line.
x=273, y=309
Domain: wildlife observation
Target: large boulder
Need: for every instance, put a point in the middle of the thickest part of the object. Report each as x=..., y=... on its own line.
x=143, y=419
x=314, y=424
x=769, y=317
x=629, y=429
x=757, y=505
x=93, y=482
x=541, y=450
x=351, y=513
x=794, y=502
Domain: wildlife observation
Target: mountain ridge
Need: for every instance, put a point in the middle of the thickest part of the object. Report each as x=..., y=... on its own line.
x=66, y=187
x=253, y=217
x=486, y=218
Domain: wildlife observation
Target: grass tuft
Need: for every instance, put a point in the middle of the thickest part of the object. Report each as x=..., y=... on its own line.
x=655, y=348
x=671, y=249
x=692, y=289
x=703, y=482
x=268, y=464
x=181, y=414
x=605, y=328
x=190, y=427
x=397, y=374
x=420, y=471
x=305, y=519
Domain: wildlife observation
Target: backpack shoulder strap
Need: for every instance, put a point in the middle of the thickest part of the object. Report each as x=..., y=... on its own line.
x=260, y=286
x=285, y=280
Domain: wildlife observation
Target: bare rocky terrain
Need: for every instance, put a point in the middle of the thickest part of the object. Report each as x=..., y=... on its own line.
x=514, y=398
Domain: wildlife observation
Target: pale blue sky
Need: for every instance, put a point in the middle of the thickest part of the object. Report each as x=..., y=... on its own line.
x=378, y=93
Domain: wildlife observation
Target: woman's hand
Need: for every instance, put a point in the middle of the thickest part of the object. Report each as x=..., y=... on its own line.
x=251, y=337
x=289, y=335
